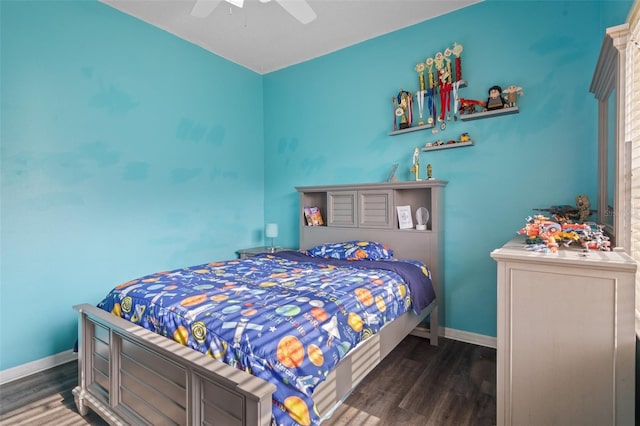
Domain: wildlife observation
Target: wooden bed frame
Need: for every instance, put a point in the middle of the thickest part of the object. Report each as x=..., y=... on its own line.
x=129, y=375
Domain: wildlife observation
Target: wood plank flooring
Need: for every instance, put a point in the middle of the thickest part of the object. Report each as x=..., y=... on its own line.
x=421, y=385
x=417, y=384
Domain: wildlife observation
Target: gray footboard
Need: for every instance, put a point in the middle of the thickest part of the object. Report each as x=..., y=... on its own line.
x=129, y=375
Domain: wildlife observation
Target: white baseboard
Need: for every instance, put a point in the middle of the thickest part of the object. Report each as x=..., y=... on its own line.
x=24, y=370
x=462, y=336
x=467, y=337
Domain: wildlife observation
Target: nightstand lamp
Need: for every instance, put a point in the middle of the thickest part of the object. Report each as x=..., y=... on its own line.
x=271, y=231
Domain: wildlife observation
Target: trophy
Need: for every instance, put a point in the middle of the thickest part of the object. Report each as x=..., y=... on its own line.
x=420, y=93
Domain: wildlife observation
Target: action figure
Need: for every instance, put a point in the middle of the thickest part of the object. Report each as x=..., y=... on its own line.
x=495, y=100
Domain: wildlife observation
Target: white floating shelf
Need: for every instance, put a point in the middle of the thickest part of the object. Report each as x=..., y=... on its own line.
x=492, y=113
x=447, y=146
x=411, y=129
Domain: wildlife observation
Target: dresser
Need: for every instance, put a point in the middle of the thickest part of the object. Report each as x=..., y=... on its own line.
x=566, y=337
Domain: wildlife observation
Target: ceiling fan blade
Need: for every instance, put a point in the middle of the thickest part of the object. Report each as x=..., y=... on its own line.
x=299, y=9
x=203, y=8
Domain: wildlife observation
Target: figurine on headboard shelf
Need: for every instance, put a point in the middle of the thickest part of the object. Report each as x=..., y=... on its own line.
x=495, y=100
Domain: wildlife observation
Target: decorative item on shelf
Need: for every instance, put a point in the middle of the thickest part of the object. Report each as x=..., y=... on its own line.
x=512, y=93
x=456, y=100
x=458, y=82
x=431, y=91
x=403, y=105
x=457, y=50
x=392, y=174
x=468, y=106
x=271, y=231
x=422, y=217
x=448, y=66
x=420, y=93
x=395, y=110
x=404, y=217
x=429, y=175
x=415, y=167
x=444, y=87
x=495, y=99
x=444, y=83
x=465, y=140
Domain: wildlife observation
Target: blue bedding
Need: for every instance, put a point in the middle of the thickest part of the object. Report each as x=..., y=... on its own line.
x=287, y=318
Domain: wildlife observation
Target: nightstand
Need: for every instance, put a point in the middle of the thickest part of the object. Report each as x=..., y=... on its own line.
x=253, y=251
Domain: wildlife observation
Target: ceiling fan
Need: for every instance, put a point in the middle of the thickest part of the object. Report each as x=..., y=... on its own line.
x=299, y=9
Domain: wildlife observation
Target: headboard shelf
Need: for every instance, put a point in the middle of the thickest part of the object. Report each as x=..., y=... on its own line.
x=367, y=211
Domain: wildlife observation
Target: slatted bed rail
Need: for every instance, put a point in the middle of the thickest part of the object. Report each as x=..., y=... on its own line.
x=129, y=375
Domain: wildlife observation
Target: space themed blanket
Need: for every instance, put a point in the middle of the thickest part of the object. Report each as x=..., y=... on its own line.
x=286, y=318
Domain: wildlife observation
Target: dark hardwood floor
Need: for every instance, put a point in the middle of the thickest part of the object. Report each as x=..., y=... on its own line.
x=417, y=384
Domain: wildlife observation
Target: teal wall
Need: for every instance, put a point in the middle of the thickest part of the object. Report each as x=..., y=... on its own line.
x=125, y=150
x=326, y=122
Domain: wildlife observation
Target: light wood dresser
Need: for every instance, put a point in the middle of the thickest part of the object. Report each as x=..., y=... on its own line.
x=566, y=338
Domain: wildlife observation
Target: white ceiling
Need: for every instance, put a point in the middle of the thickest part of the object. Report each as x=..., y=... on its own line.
x=264, y=37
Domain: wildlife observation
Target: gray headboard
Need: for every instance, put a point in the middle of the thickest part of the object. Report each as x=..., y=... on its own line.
x=369, y=212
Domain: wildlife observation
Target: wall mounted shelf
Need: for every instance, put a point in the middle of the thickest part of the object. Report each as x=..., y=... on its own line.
x=447, y=146
x=487, y=114
x=411, y=129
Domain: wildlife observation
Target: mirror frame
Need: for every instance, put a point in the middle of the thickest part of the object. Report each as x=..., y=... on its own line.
x=609, y=79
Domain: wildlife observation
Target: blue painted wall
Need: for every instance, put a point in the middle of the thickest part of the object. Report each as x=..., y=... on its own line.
x=326, y=121
x=124, y=150
x=123, y=153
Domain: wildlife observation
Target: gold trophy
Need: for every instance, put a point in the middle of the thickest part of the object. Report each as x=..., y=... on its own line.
x=420, y=94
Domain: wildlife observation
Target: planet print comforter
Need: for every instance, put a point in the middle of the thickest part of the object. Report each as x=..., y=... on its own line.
x=286, y=318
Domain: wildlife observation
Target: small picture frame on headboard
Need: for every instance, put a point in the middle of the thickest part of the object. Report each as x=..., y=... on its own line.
x=392, y=173
x=404, y=217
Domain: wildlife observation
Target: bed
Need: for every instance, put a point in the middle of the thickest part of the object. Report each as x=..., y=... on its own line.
x=129, y=374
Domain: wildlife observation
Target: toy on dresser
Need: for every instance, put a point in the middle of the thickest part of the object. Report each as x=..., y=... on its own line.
x=546, y=235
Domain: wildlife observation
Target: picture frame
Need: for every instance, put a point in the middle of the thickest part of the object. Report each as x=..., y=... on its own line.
x=404, y=217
